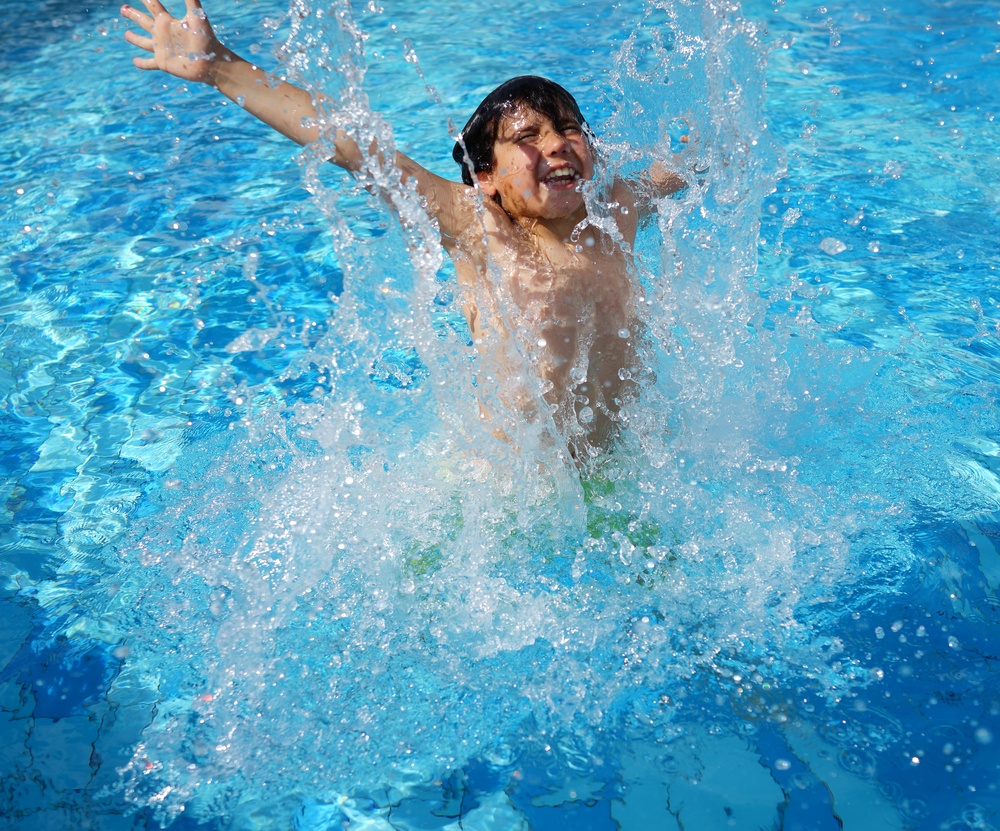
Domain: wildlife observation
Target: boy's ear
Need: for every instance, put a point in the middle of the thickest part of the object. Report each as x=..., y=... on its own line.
x=485, y=179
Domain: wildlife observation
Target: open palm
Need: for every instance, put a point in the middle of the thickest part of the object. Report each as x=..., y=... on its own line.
x=183, y=47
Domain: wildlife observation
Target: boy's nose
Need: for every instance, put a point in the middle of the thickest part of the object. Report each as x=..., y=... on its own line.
x=554, y=142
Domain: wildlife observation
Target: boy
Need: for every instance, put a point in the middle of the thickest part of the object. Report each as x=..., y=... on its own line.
x=528, y=150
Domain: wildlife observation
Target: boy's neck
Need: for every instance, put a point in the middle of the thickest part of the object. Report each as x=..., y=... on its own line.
x=559, y=229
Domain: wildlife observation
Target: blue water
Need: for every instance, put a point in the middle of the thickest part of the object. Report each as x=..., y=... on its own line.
x=263, y=568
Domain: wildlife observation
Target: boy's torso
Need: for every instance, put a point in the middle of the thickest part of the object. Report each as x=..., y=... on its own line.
x=573, y=312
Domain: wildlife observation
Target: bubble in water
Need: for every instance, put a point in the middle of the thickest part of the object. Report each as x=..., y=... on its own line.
x=892, y=168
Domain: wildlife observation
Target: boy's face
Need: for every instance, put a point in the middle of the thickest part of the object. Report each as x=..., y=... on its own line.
x=539, y=163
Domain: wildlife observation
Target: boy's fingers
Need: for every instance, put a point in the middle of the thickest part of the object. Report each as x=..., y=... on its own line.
x=155, y=7
x=139, y=40
x=194, y=6
x=145, y=63
x=136, y=16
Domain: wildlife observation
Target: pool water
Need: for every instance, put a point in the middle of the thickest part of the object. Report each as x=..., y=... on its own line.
x=262, y=565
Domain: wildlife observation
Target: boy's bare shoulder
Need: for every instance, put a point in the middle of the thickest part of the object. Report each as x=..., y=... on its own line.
x=453, y=204
x=489, y=228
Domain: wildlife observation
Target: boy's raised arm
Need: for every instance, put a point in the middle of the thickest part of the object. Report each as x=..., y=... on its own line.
x=188, y=49
x=664, y=180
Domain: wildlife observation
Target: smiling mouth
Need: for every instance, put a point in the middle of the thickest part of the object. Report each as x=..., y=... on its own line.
x=561, y=177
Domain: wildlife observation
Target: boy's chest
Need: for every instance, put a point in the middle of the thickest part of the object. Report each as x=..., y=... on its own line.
x=557, y=282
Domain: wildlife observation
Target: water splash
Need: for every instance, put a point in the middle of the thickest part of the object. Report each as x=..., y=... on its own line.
x=366, y=584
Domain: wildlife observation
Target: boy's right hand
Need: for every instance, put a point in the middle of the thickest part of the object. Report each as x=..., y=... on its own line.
x=186, y=48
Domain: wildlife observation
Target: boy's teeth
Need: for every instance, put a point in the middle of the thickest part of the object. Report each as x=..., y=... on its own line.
x=565, y=173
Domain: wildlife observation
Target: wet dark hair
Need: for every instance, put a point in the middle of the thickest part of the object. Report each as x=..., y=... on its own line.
x=480, y=133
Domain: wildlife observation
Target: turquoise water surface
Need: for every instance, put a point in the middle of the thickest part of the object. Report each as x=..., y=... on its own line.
x=263, y=567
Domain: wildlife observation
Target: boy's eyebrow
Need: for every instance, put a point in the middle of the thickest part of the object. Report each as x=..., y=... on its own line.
x=517, y=129
x=511, y=126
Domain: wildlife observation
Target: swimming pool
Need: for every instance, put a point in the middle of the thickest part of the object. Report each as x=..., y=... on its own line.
x=263, y=570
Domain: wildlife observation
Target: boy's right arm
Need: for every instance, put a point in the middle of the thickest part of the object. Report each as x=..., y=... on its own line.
x=188, y=49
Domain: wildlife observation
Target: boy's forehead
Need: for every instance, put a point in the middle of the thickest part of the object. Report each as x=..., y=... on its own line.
x=521, y=115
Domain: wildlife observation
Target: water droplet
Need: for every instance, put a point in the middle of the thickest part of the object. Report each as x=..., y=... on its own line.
x=832, y=246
